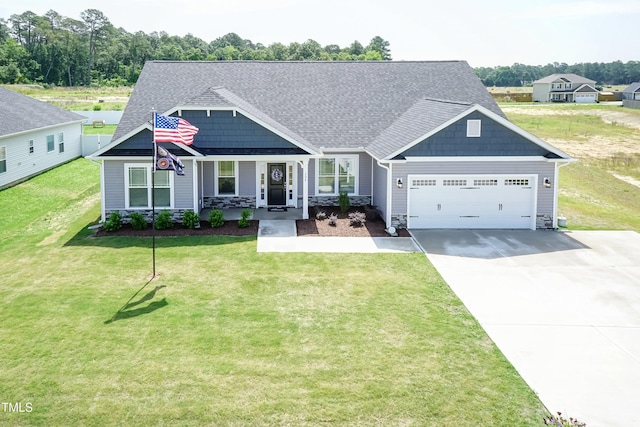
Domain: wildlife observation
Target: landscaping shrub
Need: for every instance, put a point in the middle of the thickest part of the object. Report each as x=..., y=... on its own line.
x=343, y=201
x=357, y=219
x=216, y=218
x=333, y=219
x=138, y=221
x=243, y=222
x=163, y=220
x=114, y=222
x=190, y=219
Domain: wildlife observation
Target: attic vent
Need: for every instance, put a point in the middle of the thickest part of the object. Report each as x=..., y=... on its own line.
x=473, y=128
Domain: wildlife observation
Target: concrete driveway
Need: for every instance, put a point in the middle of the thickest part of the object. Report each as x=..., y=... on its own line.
x=563, y=307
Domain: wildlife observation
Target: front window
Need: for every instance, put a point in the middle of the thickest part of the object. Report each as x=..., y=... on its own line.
x=226, y=178
x=3, y=159
x=139, y=183
x=337, y=175
x=50, y=143
x=60, y=142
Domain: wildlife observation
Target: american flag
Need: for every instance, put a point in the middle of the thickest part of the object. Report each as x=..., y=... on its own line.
x=173, y=129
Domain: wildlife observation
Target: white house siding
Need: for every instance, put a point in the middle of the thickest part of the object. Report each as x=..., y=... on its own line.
x=545, y=201
x=541, y=92
x=22, y=165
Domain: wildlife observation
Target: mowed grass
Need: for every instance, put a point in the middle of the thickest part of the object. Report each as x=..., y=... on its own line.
x=226, y=335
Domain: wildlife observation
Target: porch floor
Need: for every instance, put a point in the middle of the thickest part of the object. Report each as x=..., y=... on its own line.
x=258, y=214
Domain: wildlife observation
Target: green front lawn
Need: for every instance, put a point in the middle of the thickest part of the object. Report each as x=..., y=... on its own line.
x=226, y=335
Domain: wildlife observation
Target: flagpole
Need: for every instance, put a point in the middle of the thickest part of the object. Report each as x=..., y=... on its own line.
x=153, y=193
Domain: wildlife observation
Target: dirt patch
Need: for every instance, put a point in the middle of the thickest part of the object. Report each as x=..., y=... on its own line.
x=230, y=228
x=343, y=227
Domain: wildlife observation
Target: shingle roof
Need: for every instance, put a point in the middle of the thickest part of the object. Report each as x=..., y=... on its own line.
x=327, y=104
x=573, y=78
x=632, y=88
x=21, y=113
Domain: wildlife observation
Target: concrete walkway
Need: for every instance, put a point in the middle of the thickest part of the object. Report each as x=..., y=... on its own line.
x=564, y=308
x=281, y=236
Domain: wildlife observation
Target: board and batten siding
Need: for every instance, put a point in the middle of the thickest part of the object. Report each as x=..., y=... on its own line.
x=541, y=169
x=114, y=190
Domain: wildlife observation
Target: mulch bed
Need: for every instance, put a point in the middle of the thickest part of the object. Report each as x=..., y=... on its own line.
x=306, y=227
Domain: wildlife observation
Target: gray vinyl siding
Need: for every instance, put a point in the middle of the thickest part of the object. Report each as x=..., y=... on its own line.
x=207, y=179
x=22, y=165
x=542, y=169
x=114, y=184
x=247, y=177
x=114, y=189
x=380, y=189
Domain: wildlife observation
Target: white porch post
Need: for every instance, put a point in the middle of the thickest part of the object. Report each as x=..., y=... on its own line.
x=305, y=189
x=196, y=205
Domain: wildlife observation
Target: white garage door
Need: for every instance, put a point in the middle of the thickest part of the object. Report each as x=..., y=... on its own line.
x=585, y=97
x=469, y=201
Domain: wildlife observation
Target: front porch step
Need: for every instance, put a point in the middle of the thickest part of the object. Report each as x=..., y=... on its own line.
x=277, y=209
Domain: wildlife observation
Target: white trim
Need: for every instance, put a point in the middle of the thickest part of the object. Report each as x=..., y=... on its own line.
x=436, y=159
x=196, y=205
x=103, y=193
x=474, y=128
x=42, y=129
x=149, y=169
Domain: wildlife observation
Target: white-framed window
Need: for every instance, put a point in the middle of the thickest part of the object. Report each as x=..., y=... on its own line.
x=474, y=128
x=32, y=148
x=61, y=142
x=335, y=175
x=3, y=159
x=226, y=178
x=50, y=143
x=138, y=184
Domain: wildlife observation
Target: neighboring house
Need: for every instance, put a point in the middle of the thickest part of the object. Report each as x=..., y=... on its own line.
x=423, y=141
x=565, y=88
x=632, y=92
x=34, y=137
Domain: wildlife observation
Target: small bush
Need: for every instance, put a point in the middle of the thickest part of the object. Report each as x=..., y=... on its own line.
x=190, y=219
x=138, y=221
x=357, y=219
x=321, y=215
x=333, y=219
x=216, y=218
x=243, y=222
x=163, y=220
x=343, y=201
x=114, y=222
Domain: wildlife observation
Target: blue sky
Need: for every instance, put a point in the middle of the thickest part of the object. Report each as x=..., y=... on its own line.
x=485, y=33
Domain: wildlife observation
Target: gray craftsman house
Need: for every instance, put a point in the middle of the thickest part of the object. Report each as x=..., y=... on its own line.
x=34, y=137
x=424, y=142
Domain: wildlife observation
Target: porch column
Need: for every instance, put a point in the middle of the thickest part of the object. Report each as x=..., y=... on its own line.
x=196, y=205
x=305, y=189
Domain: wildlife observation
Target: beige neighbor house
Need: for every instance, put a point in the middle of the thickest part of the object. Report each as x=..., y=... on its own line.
x=565, y=88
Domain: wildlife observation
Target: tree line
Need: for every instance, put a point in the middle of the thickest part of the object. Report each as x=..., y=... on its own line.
x=56, y=50
x=612, y=73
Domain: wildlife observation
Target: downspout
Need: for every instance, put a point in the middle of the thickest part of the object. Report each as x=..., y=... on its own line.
x=387, y=219
x=555, y=192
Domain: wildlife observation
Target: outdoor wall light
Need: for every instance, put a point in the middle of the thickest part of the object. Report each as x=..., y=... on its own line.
x=399, y=182
x=547, y=182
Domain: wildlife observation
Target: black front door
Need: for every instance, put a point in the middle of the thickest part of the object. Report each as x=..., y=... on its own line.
x=277, y=189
